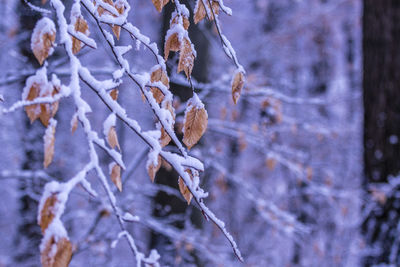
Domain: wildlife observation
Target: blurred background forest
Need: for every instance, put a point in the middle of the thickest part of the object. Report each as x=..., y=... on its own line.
x=302, y=169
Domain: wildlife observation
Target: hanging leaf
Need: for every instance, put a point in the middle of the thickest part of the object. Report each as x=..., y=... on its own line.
x=114, y=94
x=195, y=122
x=184, y=189
x=186, y=58
x=185, y=21
x=172, y=44
x=101, y=10
x=48, y=111
x=159, y=4
x=165, y=138
x=57, y=252
x=200, y=10
x=47, y=213
x=152, y=169
x=74, y=123
x=115, y=173
x=237, y=86
x=159, y=75
x=33, y=111
x=271, y=163
x=112, y=138
x=120, y=7
x=49, y=139
x=42, y=40
x=81, y=25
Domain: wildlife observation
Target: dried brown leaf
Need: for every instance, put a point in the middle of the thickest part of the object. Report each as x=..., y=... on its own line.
x=47, y=213
x=153, y=169
x=81, y=25
x=119, y=6
x=237, y=86
x=114, y=94
x=49, y=139
x=171, y=44
x=159, y=4
x=186, y=58
x=33, y=111
x=116, y=176
x=112, y=138
x=59, y=258
x=74, y=123
x=184, y=189
x=42, y=42
x=195, y=124
x=48, y=111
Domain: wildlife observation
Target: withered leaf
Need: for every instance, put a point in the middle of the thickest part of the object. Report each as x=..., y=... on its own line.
x=42, y=39
x=200, y=10
x=114, y=94
x=47, y=213
x=195, y=124
x=62, y=255
x=48, y=111
x=49, y=139
x=116, y=176
x=153, y=169
x=237, y=86
x=33, y=111
x=159, y=4
x=112, y=138
x=171, y=44
x=186, y=58
x=184, y=189
x=80, y=26
x=119, y=6
x=74, y=123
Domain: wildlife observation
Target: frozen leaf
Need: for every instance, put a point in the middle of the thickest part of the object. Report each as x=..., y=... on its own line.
x=48, y=111
x=57, y=252
x=185, y=21
x=159, y=4
x=171, y=44
x=195, y=122
x=80, y=26
x=120, y=7
x=186, y=58
x=101, y=10
x=47, y=213
x=49, y=139
x=165, y=138
x=115, y=172
x=33, y=111
x=74, y=123
x=114, y=94
x=184, y=189
x=42, y=40
x=200, y=10
x=159, y=75
x=112, y=138
x=152, y=169
x=237, y=85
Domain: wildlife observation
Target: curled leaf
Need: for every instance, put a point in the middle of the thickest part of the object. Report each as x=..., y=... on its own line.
x=186, y=58
x=184, y=189
x=171, y=44
x=195, y=122
x=48, y=212
x=152, y=169
x=115, y=173
x=237, y=85
x=112, y=138
x=80, y=25
x=159, y=4
x=57, y=252
x=49, y=139
x=42, y=40
x=33, y=111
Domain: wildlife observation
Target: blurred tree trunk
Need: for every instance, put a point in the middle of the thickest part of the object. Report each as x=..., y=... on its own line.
x=28, y=236
x=381, y=85
x=164, y=204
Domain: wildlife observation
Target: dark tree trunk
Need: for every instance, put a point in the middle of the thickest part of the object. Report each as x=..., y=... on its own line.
x=164, y=204
x=381, y=84
x=29, y=235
